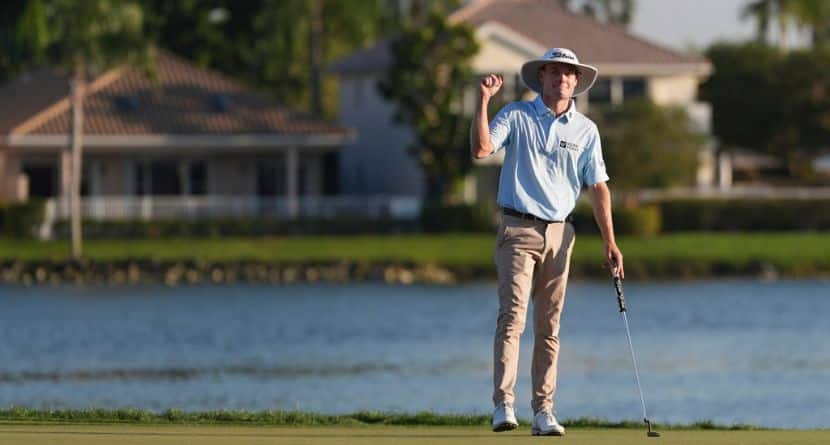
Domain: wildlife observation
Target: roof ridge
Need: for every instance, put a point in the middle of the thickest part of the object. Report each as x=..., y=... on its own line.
x=665, y=49
x=461, y=14
x=620, y=29
x=214, y=73
x=64, y=103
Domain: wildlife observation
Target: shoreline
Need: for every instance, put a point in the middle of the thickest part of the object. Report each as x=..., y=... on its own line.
x=195, y=272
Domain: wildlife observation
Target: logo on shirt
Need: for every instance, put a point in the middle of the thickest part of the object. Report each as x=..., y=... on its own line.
x=568, y=145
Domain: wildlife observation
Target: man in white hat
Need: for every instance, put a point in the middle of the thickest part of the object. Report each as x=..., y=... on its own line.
x=551, y=152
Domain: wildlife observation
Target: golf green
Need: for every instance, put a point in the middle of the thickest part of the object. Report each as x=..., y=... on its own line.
x=33, y=434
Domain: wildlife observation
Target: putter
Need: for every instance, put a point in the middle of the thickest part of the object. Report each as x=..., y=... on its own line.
x=621, y=303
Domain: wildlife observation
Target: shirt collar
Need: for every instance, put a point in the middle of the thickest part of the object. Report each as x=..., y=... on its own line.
x=543, y=110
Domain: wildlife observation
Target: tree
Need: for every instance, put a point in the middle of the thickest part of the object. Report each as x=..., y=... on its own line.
x=84, y=37
x=280, y=46
x=745, y=103
x=646, y=145
x=16, y=49
x=427, y=79
x=813, y=15
x=617, y=12
x=771, y=102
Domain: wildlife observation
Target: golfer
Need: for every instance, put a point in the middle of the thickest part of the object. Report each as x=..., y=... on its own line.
x=551, y=152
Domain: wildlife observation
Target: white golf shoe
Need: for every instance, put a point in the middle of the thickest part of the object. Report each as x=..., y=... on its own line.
x=504, y=418
x=545, y=424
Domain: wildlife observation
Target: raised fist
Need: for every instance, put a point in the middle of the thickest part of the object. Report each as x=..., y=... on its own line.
x=490, y=85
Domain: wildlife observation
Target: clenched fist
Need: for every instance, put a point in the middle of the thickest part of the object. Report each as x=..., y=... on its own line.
x=490, y=85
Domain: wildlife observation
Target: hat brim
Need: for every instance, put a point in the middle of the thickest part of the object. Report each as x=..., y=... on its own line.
x=530, y=76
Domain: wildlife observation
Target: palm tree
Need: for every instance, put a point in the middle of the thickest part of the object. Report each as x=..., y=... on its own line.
x=85, y=37
x=617, y=12
x=813, y=15
x=761, y=11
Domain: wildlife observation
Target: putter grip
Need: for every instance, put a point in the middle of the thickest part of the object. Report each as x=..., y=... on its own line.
x=620, y=297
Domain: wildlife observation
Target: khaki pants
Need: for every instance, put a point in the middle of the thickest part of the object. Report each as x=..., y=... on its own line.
x=532, y=259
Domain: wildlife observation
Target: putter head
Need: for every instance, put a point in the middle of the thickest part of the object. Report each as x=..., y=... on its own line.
x=651, y=433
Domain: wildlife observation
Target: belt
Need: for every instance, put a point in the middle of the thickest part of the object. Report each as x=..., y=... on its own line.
x=511, y=212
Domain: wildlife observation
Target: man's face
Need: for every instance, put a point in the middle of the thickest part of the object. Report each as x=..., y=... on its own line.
x=558, y=80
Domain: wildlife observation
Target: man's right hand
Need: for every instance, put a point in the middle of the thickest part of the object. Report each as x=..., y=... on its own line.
x=489, y=85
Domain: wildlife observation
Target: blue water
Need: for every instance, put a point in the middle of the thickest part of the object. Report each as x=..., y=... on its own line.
x=730, y=351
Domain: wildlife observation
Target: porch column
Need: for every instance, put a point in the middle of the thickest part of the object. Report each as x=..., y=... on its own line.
x=4, y=176
x=146, y=189
x=616, y=91
x=292, y=168
x=724, y=171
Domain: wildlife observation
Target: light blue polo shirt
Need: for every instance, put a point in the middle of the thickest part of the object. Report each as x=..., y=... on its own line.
x=547, y=159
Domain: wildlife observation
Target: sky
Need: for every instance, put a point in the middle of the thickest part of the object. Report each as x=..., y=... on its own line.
x=683, y=24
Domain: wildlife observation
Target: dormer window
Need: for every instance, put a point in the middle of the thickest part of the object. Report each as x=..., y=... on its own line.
x=220, y=103
x=127, y=103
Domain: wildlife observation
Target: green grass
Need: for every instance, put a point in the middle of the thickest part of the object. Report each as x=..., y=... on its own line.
x=98, y=426
x=376, y=435
x=799, y=254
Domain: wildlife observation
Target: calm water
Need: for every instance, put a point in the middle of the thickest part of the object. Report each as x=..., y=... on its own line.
x=730, y=351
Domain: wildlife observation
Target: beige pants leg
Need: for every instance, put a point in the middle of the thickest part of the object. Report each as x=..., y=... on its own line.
x=530, y=257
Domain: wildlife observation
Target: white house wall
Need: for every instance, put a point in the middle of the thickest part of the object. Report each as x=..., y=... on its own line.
x=378, y=161
x=496, y=57
x=673, y=90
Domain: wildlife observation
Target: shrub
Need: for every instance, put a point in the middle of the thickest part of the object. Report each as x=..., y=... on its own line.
x=214, y=228
x=639, y=221
x=20, y=220
x=436, y=217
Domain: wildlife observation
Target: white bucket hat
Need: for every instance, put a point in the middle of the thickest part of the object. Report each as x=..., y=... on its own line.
x=530, y=70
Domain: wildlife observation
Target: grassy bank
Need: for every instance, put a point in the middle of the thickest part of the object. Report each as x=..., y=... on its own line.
x=688, y=254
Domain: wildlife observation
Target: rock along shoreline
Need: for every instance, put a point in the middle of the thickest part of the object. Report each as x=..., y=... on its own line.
x=194, y=272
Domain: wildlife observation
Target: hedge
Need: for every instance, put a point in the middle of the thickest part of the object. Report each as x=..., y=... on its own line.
x=745, y=215
x=20, y=220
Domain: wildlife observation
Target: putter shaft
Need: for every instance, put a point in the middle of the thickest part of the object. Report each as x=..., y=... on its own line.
x=623, y=312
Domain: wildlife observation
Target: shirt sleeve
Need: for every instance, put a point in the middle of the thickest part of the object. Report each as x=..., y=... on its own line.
x=500, y=129
x=593, y=169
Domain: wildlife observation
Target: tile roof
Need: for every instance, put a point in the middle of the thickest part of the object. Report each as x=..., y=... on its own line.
x=183, y=100
x=29, y=94
x=547, y=24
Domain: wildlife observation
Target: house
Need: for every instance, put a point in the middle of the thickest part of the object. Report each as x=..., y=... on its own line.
x=186, y=143
x=510, y=32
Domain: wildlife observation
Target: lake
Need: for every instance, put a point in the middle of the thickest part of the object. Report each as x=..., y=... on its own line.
x=730, y=351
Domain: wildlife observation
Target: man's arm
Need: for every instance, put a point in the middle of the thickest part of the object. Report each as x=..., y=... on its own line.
x=480, y=146
x=601, y=204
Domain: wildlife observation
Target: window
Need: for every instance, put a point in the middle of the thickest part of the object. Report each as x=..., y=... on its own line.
x=270, y=177
x=634, y=88
x=42, y=180
x=140, y=179
x=165, y=178
x=197, y=173
x=600, y=93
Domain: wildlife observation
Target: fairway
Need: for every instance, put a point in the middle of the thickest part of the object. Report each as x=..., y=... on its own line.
x=374, y=435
